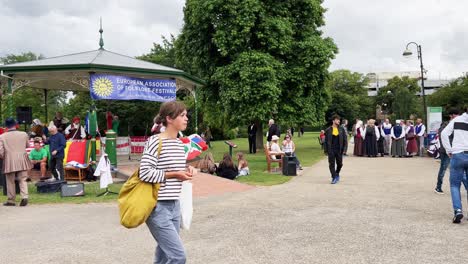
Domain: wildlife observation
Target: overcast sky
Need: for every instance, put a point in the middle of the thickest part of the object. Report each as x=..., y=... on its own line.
x=371, y=35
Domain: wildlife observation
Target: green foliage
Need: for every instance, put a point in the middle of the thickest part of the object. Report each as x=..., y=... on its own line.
x=260, y=59
x=162, y=54
x=23, y=57
x=33, y=97
x=399, y=97
x=348, y=96
x=455, y=94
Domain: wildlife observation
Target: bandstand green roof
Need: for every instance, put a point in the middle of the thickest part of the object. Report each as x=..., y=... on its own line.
x=71, y=72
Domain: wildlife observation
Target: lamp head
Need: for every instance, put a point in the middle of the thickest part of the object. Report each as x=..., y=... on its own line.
x=407, y=53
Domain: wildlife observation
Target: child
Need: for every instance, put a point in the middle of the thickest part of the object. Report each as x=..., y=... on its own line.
x=242, y=165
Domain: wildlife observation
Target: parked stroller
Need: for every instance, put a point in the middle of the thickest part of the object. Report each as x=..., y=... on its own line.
x=433, y=148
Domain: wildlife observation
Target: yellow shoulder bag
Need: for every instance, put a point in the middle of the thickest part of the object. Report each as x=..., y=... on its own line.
x=137, y=199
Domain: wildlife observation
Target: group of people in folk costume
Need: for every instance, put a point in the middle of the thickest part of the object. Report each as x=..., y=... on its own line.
x=404, y=139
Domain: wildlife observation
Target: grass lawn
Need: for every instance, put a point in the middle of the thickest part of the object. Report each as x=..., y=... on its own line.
x=307, y=150
x=91, y=191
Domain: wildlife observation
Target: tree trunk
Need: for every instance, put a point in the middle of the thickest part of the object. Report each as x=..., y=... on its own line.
x=259, y=138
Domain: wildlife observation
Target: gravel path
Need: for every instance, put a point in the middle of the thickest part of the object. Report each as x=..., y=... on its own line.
x=383, y=211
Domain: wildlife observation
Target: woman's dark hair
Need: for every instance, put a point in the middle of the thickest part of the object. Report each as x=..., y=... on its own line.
x=227, y=161
x=169, y=109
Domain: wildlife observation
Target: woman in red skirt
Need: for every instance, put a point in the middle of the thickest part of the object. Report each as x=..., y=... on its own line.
x=412, y=145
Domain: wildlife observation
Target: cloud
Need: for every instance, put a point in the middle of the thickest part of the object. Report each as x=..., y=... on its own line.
x=58, y=27
x=371, y=35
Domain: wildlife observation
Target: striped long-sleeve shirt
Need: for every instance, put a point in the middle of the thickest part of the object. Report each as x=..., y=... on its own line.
x=171, y=158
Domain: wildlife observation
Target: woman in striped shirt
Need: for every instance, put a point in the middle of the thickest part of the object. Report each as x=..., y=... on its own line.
x=168, y=167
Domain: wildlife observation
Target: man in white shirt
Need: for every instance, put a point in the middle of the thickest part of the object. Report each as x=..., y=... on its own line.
x=387, y=128
x=420, y=131
x=458, y=152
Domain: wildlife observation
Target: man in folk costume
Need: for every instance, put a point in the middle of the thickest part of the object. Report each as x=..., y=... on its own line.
x=16, y=162
x=336, y=142
x=75, y=130
x=387, y=128
x=411, y=145
x=420, y=131
x=358, y=138
x=397, y=134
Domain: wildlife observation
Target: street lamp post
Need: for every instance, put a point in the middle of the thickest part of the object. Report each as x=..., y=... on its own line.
x=407, y=53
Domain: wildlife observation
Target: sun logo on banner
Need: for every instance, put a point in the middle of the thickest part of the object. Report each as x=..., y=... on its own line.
x=103, y=87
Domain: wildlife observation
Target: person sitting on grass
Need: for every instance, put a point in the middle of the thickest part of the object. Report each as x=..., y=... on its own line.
x=226, y=168
x=207, y=164
x=38, y=157
x=275, y=150
x=242, y=165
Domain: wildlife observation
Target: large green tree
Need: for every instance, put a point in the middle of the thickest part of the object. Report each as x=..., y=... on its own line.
x=455, y=94
x=260, y=59
x=348, y=96
x=399, y=97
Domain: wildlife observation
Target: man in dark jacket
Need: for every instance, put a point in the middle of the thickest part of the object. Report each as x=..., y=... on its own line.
x=336, y=142
x=444, y=158
x=272, y=129
x=57, y=145
x=252, y=132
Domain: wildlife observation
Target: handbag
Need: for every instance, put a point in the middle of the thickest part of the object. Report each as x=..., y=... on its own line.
x=137, y=199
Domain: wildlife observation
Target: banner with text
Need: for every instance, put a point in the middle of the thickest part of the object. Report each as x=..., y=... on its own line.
x=116, y=87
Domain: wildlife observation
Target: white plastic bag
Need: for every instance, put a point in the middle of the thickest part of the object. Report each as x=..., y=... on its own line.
x=186, y=206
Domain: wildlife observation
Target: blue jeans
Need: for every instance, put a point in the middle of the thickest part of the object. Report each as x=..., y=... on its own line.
x=444, y=162
x=164, y=224
x=458, y=172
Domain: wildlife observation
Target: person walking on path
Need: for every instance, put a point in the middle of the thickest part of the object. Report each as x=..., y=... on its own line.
x=336, y=142
x=16, y=162
x=444, y=158
x=169, y=169
x=458, y=152
x=420, y=130
x=252, y=133
x=57, y=144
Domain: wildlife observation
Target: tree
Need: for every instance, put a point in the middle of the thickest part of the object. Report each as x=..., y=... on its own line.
x=260, y=59
x=455, y=94
x=23, y=57
x=399, y=96
x=348, y=96
x=162, y=54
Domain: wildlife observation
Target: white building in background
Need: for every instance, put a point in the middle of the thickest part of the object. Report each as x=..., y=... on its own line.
x=380, y=79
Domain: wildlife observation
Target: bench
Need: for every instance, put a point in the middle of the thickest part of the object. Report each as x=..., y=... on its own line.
x=270, y=160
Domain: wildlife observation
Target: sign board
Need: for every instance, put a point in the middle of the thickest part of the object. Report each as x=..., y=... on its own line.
x=116, y=87
x=434, y=118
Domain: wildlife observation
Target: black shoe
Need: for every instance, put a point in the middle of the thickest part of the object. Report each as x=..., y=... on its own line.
x=9, y=204
x=24, y=202
x=439, y=191
x=458, y=216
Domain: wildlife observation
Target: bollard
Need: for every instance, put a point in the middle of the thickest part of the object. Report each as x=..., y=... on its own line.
x=111, y=147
